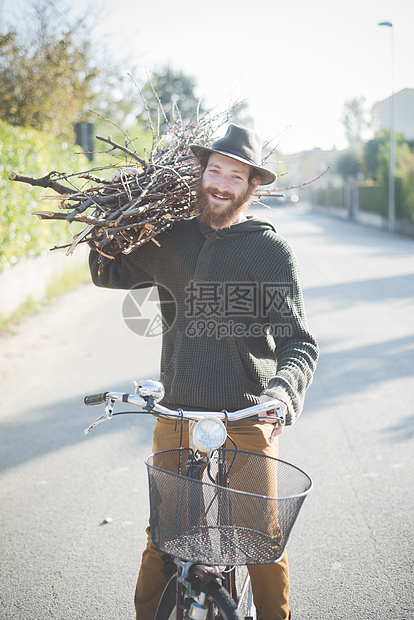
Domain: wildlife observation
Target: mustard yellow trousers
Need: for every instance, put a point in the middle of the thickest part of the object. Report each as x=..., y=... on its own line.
x=270, y=582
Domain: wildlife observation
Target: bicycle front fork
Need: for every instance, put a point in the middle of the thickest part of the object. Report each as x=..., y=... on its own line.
x=192, y=602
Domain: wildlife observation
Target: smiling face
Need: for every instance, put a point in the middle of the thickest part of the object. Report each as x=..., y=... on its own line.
x=224, y=191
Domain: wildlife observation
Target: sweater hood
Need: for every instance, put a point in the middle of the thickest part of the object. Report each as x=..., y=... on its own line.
x=251, y=224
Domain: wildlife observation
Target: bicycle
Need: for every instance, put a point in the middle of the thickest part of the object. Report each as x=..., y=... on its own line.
x=205, y=503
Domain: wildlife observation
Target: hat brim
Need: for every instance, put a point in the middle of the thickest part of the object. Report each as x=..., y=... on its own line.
x=266, y=176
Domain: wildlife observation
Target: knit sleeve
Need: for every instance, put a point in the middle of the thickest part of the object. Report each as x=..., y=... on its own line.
x=296, y=349
x=125, y=271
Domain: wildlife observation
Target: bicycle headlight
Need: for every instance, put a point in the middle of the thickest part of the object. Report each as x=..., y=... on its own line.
x=209, y=434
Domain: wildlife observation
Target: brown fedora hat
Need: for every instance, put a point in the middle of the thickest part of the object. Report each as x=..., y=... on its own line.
x=241, y=144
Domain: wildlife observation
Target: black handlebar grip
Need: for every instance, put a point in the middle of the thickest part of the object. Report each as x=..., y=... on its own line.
x=95, y=399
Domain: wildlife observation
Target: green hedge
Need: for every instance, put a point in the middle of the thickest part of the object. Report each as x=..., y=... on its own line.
x=407, y=192
x=373, y=199
x=31, y=153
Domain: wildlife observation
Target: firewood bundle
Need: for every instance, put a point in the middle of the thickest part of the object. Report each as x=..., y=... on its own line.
x=143, y=196
x=140, y=200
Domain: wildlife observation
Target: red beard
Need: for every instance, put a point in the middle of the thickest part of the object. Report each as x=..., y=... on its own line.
x=224, y=218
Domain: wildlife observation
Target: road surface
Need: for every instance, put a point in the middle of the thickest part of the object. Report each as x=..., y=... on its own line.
x=351, y=549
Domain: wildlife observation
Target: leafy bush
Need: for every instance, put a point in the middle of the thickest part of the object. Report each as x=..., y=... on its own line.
x=377, y=167
x=407, y=191
x=31, y=153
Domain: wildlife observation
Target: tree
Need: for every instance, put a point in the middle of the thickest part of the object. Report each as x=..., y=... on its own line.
x=356, y=120
x=376, y=167
x=407, y=187
x=348, y=165
x=376, y=153
x=370, y=158
x=46, y=76
x=175, y=91
x=53, y=76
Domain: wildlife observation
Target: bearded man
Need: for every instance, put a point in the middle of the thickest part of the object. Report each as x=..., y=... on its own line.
x=222, y=271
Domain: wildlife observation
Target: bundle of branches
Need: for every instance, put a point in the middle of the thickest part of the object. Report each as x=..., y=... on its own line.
x=142, y=198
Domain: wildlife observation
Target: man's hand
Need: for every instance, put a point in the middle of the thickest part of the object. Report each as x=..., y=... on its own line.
x=273, y=415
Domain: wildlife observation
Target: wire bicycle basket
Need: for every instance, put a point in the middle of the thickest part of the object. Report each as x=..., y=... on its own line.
x=248, y=522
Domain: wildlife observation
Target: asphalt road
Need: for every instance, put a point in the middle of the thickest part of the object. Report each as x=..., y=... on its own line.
x=350, y=552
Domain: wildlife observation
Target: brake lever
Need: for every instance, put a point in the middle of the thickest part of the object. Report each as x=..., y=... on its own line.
x=107, y=415
x=280, y=421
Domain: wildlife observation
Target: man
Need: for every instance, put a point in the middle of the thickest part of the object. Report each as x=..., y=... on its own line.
x=236, y=332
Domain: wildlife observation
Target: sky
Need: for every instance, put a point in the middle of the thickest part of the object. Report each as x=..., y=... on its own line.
x=295, y=62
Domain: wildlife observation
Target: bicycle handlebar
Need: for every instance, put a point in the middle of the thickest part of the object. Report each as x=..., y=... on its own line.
x=155, y=408
x=95, y=399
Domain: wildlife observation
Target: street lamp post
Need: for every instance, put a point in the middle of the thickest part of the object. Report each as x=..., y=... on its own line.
x=391, y=189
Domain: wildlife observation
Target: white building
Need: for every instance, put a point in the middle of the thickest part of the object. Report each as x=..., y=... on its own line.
x=403, y=112
x=317, y=165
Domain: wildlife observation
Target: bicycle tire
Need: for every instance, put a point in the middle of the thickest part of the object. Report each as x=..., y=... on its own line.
x=225, y=606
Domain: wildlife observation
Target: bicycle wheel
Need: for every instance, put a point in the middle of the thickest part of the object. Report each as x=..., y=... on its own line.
x=220, y=603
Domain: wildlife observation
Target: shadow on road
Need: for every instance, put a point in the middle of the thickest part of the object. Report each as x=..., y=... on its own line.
x=373, y=290
x=45, y=429
x=402, y=432
x=348, y=372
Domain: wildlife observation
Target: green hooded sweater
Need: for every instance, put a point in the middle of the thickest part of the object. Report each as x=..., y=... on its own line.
x=232, y=311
